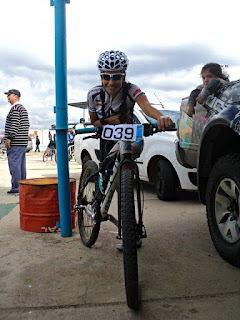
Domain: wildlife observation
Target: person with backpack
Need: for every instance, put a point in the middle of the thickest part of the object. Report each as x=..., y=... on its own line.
x=112, y=101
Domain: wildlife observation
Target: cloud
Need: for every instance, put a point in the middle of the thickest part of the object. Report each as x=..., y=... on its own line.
x=169, y=72
x=169, y=59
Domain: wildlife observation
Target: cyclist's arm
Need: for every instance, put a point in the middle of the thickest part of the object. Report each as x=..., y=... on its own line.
x=110, y=120
x=144, y=104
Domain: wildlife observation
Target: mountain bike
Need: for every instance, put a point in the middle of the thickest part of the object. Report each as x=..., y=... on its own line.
x=117, y=170
x=49, y=153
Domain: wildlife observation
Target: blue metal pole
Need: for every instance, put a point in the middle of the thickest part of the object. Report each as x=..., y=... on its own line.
x=62, y=117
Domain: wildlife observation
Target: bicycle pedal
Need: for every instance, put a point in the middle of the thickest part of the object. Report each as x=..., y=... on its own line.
x=76, y=207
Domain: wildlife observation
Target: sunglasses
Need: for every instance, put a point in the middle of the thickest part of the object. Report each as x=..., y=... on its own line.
x=114, y=77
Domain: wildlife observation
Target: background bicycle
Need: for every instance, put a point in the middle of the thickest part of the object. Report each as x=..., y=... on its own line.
x=49, y=154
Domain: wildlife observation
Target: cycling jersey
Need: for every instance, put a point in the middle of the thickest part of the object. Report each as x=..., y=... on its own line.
x=111, y=106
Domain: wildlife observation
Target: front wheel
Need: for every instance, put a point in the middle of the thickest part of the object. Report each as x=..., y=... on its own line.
x=129, y=237
x=223, y=203
x=89, y=215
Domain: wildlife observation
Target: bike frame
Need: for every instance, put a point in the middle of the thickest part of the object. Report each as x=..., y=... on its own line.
x=123, y=152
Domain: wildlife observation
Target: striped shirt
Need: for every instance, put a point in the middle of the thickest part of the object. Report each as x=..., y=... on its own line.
x=17, y=125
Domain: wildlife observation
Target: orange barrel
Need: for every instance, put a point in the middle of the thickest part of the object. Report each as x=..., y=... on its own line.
x=39, y=206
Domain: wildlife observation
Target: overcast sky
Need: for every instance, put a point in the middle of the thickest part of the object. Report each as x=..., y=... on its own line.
x=167, y=43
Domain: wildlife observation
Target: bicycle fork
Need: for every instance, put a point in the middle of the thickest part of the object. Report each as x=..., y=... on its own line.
x=141, y=230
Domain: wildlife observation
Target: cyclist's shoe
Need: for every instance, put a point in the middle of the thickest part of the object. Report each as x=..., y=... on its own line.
x=119, y=246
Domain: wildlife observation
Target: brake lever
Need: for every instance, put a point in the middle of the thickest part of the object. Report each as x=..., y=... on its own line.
x=148, y=129
x=97, y=135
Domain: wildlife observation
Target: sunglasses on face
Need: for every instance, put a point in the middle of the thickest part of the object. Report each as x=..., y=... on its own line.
x=114, y=77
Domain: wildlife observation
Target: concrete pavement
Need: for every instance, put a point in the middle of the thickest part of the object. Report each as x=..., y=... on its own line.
x=45, y=276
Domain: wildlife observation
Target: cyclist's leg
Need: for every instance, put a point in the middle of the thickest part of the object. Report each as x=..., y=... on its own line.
x=45, y=154
x=137, y=148
x=51, y=151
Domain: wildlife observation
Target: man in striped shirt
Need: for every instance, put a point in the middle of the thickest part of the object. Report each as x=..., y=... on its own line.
x=16, y=135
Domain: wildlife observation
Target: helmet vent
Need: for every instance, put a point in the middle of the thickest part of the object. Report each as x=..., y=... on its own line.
x=112, y=61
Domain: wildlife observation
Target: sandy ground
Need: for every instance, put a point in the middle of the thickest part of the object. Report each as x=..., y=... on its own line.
x=46, y=276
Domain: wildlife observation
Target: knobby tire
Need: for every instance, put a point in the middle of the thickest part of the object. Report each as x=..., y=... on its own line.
x=88, y=231
x=129, y=238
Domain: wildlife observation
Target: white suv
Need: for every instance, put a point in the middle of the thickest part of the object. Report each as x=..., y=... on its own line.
x=157, y=162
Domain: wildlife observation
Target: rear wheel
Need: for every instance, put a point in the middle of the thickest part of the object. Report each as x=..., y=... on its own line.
x=165, y=181
x=129, y=238
x=223, y=203
x=45, y=156
x=89, y=217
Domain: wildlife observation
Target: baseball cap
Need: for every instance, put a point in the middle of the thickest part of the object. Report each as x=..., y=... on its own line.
x=13, y=91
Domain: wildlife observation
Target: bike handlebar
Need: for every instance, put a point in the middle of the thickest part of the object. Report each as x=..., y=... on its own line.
x=148, y=130
x=86, y=130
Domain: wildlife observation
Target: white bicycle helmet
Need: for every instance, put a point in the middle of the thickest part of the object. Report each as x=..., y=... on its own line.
x=112, y=61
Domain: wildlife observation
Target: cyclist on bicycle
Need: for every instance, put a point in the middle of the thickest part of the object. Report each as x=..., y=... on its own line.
x=52, y=140
x=113, y=101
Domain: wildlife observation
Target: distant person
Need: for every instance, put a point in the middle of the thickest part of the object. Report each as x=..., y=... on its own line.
x=37, y=144
x=81, y=124
x=211, y=71
x=16, y=135
x=52, y=139
x=70, y=136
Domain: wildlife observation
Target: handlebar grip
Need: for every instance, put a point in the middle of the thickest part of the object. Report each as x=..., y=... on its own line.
x=152, y=128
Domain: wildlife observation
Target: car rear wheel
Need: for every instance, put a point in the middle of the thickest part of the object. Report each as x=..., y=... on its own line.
x=223, y=203
x=165, y=181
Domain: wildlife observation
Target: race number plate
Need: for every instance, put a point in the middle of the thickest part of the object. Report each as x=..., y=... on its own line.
x=124, y=132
